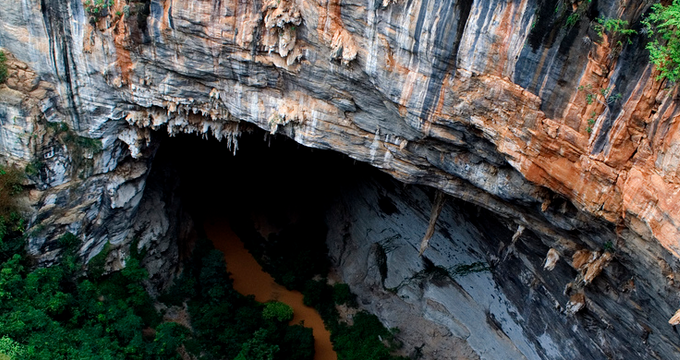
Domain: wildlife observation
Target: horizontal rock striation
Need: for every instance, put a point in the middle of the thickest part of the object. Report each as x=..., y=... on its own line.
x=510, y=106
x=480, y=283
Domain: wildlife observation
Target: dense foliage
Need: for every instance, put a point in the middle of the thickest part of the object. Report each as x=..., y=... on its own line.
x=295, y=257
x=63, y=312
x=54, y=313
x=10, y=185
x=365, y=339
x=229, y=325
x=4, y=73
x=663, y=24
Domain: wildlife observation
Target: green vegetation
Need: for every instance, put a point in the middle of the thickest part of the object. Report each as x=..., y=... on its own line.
x=11, y=223
x=65, y=312
x=297, y=258
x=277, y=311
x=10, y=185
x=34, y=167
x=62, y=313
x=229, y=325
x=81, y=150
x=618, y=29
x=81, y=142
x=97, y=7
x=589, y=98
x=592, y=95
x=58, y=127
x=663, y=25
x=466, y=269
x=10, y=349
x=57, y=313
x=4, y=73
x=73, y=141
x=343, y=296
x=591, y=122
x=576, y=15
x=96, y=264
x=366, y=339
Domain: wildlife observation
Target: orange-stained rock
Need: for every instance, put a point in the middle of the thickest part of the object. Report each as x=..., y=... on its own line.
x=594, y=268
x=582, y=257
x=551, y=259
x=675, y=320
x=576, y=303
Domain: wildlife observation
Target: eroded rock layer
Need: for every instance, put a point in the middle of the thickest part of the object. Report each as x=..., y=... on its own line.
x=516, y=107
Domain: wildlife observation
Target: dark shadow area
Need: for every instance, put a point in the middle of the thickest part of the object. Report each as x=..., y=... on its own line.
x=273, y=192
x=272, y=175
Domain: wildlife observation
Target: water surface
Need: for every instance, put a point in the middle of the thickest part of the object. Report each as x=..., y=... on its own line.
x=250, y=279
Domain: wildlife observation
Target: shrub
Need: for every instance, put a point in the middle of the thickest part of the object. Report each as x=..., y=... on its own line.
x=364, y=340
x=96, y=265
x=10, y=349
x=97, y=7
x=663, y=25
x=258, y=348
x=278, y=311
x=4, y=73
x=81, y=142
x=34, y=167
x=617, y=28
x=10, y=185
x=298, y=344
x=319, y=295
x=342, y=295
x=54, y=313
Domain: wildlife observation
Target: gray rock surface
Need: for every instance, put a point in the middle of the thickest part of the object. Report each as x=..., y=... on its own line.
x=479, y=99
x=479, y=285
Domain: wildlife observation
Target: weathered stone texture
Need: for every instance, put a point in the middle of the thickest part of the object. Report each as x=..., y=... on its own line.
x=489, y=101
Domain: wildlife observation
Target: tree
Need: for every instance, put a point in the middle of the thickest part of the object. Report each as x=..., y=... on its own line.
x=258, y=348
x=663, y=24
x=277, y=311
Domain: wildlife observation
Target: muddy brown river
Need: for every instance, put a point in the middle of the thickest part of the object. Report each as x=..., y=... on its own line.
x=250, y=279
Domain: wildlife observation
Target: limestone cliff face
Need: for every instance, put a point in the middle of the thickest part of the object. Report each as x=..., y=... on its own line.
x=507, y=105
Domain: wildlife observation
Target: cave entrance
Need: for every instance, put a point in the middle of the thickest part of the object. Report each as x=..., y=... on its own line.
x=273, y=189
x=474, y=291
x=268, y=175
x=271, y=196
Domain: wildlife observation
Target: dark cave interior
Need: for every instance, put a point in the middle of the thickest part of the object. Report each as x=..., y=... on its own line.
x=267, y=173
